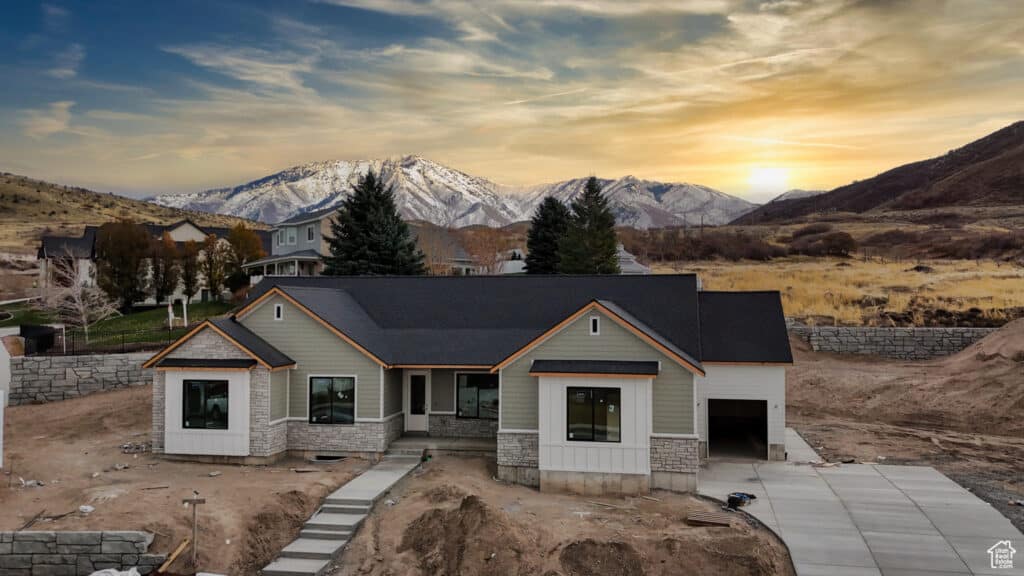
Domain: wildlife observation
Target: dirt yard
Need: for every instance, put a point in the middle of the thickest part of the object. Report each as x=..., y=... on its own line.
x=451, y=517
x=960, y=414
x=74, y=448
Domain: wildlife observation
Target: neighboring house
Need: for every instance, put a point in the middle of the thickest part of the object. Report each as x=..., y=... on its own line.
x=83, y=250
x=299, y=247
x=628, y=263
x=612, y=383
x=513, y=262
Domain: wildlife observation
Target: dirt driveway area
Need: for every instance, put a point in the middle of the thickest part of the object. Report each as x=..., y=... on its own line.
x=452, y=517
x=74, y=449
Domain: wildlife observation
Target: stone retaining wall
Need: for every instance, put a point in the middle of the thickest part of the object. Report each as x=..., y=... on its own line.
x=39, y=379
x=897, y=343
x=75, y=553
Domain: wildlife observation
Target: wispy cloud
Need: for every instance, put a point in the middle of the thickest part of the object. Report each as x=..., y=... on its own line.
x=67, y=61
x=48, y=121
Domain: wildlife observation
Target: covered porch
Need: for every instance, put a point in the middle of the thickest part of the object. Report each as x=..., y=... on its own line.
x=302, y=263
x=459, y=446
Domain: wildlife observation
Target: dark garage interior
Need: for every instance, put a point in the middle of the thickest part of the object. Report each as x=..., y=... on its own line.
x=738, y=428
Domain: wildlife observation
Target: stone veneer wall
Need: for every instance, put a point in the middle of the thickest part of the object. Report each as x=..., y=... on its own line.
x=39, y=379
x=343, y=439
x=674, y=463
x=519, y=458
x=159, y=399
x=75, y=553
x=264, y=439
x=897, y=343
x=451, y=426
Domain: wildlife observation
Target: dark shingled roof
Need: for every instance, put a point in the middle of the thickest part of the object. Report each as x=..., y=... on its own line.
x=481, y=320
x=206, y=363
x=743, y=327
x=55, y=246
x=253, y=343
x=595, y=367
x=307, y=216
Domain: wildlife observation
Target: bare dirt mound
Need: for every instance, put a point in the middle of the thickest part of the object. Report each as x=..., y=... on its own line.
x=592, y=558
x=272, y=529
x=470, y=539
x=1007, y=343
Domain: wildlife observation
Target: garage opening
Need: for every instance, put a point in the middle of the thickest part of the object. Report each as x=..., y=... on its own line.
x=738, y=428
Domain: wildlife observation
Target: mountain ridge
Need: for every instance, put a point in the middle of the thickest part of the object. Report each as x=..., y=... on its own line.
x=426, y=190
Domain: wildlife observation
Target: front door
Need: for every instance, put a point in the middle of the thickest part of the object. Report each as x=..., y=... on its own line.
x=416, y=398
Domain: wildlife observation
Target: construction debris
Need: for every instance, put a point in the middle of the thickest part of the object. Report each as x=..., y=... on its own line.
x=135, y=448
x=737, y=499
x=213, y=474
x=86, y=509
x=708, y=519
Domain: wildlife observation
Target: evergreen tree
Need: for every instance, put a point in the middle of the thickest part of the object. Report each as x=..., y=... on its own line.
x=122, y=252
x=368, y=237
x=165, y=270
x=589, y=246
x=190, y=269
x=547, y=227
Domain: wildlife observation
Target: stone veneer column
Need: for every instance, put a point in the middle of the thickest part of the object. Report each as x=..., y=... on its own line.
x=674, y=463
x=518, y=458
x=159, y=399
x=264, y=439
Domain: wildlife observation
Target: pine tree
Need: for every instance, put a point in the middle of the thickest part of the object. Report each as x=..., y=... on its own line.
x=122, y=251
x=190, y=269
x=547, y=227
x=590, y=245
x=368, y=237
x=165, y=268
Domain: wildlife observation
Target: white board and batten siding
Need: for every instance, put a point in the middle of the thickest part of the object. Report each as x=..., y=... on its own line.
x=2, y=408
x=737, y=382
x=231, y=442
x=630, y=456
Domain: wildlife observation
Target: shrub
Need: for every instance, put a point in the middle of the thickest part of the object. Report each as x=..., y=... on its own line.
x=828, y=244
x=812, y=230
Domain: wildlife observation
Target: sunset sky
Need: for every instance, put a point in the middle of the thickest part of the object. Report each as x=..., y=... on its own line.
x=750, y=97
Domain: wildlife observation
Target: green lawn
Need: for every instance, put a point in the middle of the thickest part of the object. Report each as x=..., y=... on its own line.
x=156, y=319
x=22, y=314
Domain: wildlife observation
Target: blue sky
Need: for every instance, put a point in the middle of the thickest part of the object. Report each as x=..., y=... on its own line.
x=747, y=96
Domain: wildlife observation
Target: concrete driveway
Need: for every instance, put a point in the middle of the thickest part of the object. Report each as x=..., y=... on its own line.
x=867, y=519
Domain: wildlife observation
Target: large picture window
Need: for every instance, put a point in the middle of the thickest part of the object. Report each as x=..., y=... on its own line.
x=206, y=404
x=594, y=414
x=477, y=396
x=332, y=399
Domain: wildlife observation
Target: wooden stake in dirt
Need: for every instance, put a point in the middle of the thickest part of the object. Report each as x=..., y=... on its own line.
x=194, y=503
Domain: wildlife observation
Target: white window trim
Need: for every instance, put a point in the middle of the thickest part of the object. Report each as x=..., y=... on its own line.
x=278, y=312
x=292, y=235
x=594, y=318
x=355, y=400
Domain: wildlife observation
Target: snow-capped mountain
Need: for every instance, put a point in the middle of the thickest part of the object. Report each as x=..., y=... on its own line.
x=796, y=194
x=425, y=190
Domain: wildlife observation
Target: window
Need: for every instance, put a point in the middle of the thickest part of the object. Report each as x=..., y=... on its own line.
x=332, y=399
x=309, y=233
x=595, y=325
x=278, y=238
x=278, y=312
x=477, y=396
x=291, y=235
x=206, y=404
x=594, y=415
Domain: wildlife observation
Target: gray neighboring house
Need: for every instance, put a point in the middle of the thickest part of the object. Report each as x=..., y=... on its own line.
x=612, y=384
x=298, y=247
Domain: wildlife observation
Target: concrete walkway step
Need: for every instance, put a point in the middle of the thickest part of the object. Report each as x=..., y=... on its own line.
x=316, y=534
x=328, y=521
x=344, y=509
x=414, y=452
x=312, y=548
x=338, y=501
x=296, y=567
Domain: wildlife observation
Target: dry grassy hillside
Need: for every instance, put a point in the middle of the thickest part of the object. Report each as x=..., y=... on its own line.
x=29, y=208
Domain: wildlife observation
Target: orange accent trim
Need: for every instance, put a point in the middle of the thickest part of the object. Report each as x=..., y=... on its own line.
x=712, y=363
x=442, y=366
x=593, y=375
x=311, y=314
x=615, y=318
x=207, y=324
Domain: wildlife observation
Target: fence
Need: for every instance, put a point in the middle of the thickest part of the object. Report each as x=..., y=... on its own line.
x=46, y=341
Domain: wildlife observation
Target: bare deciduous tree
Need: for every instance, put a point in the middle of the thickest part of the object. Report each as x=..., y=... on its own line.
x=74, y=300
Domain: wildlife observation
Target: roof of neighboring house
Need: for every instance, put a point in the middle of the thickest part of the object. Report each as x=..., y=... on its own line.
x=482, y=320
x=253, y=343
x=628, y=263
x=743, y=327
x=206, y=363
x=308, y=216
x=610, y=367
x=83, y=247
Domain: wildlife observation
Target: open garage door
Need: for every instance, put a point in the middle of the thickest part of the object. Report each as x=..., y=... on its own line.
x=738, y=428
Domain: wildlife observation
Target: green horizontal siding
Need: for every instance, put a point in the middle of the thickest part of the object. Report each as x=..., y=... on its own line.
x=278, y=394
x=673, y=387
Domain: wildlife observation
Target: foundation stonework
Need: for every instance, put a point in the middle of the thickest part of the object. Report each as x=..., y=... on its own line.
x=518, y=458
x=674, y=463
x=371, y=437
x=451, y=426
x=594, y=483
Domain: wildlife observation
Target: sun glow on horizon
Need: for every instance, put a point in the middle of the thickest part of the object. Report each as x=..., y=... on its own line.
x=772, y=179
